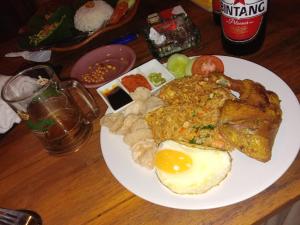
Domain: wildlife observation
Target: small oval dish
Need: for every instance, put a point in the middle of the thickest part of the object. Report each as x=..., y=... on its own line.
x=64, y=37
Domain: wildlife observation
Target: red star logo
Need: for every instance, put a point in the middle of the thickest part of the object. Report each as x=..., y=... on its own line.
x=239, y=1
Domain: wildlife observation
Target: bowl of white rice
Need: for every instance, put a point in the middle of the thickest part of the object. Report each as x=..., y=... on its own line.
x=92, y=16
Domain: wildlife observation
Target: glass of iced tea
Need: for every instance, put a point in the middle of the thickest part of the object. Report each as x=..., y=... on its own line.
x=58, y=113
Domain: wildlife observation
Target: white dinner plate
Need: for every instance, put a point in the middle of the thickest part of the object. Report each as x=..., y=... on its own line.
x=247, y=178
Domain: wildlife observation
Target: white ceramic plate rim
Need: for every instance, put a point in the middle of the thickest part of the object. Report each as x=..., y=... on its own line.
x=247, y=178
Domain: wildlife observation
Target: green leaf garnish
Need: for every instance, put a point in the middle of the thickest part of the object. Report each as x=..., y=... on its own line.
x=193, y=141
x=40, y=125
x=209, y=127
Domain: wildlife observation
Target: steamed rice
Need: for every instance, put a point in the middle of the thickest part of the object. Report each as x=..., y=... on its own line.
x=89, y=19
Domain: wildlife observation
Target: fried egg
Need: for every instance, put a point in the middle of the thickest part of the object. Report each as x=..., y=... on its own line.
x=189, y=170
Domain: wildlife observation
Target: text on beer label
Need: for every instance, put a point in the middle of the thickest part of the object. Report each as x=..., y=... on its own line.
x=241, y=9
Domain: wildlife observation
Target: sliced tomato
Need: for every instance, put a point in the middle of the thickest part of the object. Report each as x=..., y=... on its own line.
x=206, y=64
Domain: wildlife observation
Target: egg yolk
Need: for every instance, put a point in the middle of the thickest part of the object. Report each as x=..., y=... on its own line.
x=172, y=161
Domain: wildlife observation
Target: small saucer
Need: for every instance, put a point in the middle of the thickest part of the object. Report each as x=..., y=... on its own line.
x=120, y=58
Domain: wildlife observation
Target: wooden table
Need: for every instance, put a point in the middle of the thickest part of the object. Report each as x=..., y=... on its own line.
x=79, y=189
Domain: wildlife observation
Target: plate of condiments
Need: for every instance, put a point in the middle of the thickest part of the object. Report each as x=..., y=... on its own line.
x=103, y=65
x=151, y=75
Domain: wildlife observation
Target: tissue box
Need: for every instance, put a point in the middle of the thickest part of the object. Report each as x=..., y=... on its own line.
x=170, y=31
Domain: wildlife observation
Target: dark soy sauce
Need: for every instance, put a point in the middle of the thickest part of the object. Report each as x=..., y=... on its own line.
x=117, y=98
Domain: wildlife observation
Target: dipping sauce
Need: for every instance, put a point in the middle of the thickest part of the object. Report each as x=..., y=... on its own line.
x=156, y=79
x=98, y=72
x=117, y=97
x=132, y=82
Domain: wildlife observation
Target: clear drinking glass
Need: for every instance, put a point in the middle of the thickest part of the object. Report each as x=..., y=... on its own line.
x=58, y=113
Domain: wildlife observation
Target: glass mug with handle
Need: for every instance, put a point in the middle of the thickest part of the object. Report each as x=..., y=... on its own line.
x=58, y=113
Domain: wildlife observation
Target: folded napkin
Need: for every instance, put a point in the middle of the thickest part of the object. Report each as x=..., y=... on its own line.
x=36, y=56
x=8, y=116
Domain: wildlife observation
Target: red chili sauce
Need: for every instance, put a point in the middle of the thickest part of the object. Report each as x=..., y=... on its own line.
x=132, y=82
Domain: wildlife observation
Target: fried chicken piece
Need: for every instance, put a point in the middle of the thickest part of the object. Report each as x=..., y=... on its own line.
x=251, y=92
x=251, y=123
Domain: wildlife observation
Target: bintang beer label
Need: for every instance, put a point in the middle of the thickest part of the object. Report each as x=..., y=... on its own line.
x=241, y=19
